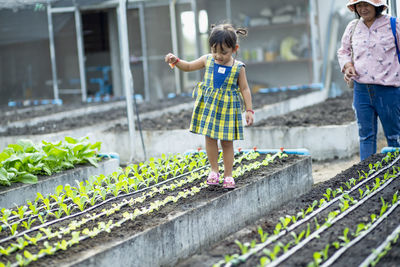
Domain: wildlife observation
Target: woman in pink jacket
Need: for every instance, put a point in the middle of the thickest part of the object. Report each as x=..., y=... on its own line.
x=368, y=56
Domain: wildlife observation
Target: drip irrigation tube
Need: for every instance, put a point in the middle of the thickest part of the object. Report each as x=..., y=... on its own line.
x=381, y=247
x=317, y=233
x=342, y=250
x=139, y=126
x=261, y=246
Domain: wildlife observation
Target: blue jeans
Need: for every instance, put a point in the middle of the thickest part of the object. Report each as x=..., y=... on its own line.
x=370, y=102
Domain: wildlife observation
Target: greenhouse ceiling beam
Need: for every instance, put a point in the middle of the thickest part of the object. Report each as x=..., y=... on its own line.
x=152, y=3
x=104, y=5
x=62, y=9
x=127, y=79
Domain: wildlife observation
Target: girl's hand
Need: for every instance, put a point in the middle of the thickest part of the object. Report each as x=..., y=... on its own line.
x=249, y=118
x=171, y=58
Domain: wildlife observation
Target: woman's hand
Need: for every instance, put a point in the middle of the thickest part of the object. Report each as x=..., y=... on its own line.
x=349, y=72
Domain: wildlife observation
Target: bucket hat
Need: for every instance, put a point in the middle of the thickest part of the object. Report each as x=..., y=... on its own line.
x=376, y=3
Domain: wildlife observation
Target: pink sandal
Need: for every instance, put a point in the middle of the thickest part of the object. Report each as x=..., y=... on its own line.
x=213, y=178
x=229, y=183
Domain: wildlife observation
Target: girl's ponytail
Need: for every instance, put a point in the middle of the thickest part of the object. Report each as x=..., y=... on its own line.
x=241, y=31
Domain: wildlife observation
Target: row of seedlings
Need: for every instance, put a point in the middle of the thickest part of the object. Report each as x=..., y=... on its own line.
x=297, y=234
x=96, y=213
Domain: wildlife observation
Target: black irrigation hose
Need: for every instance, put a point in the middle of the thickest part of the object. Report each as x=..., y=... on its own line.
x=315, y=234
x=261, y=246
x=139, y=124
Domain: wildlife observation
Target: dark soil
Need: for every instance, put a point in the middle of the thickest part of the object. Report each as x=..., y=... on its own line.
x=15, y=113
x=333, y=111
x=142, y=223
x=164, y=122
x=353, y=257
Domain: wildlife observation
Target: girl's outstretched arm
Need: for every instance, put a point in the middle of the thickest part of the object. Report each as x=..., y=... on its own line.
x=185, y=65
x=246, y=93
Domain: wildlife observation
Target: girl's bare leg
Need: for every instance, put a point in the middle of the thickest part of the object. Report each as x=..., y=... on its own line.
x=227, y=149
x=212, y=153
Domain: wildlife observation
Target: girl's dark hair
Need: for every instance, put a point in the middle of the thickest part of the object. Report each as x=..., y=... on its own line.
x=378, y=11
x=225, y=34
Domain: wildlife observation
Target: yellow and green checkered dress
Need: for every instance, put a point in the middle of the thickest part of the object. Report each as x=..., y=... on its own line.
x=217, y=111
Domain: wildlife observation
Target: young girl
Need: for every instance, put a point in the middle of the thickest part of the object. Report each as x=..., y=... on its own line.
x=217, y=109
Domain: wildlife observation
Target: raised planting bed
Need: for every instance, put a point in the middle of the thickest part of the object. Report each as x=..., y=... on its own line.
x=350, y=220
x=328, y=130
x=150, y=214
x=169, y=131
x=111, y=125
x=19, y=193
x=54, y=119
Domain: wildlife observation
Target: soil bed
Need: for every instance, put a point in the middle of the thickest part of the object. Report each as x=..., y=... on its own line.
x=164, y=122
x=352, y=257
x=333, y=111
x=144, y=222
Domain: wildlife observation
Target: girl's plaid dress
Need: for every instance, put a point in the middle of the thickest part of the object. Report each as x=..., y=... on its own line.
x=217, y=112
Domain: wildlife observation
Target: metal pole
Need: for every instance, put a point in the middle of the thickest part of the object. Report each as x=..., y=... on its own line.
x=81, y=52
x=393, y=7
x=193, y=4
x=144, y=52
x=126, y=72
x=174, y=36
x=228, y=10
x=52, y=51
x=314, y=40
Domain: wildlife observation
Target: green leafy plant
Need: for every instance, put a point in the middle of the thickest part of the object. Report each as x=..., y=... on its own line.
x=23, y=161
x=263, y=236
